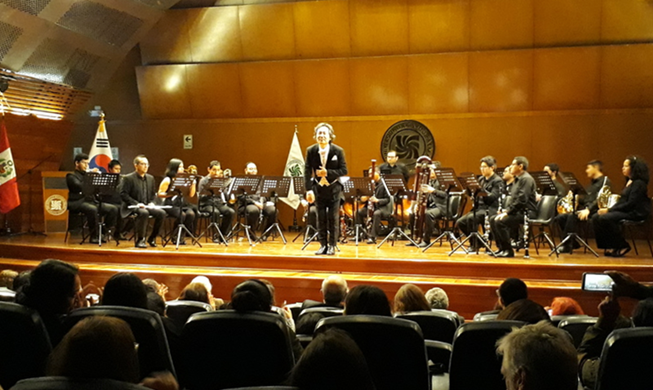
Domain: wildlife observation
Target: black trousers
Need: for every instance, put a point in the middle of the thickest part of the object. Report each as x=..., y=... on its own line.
x=377, y=217
x=468, y=224
x=253, y=213
x=90, y=210
x=328, y=211
x=502, y=229
x=140, y=223
x=608, y=231
x=431, y=216
x=568, y=223
x=223, y=210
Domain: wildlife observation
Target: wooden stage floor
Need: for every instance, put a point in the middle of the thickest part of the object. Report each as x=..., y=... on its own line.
x=470, y=280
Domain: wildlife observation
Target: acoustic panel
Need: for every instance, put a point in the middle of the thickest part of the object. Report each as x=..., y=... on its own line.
x=32, y=7
x=8, y=36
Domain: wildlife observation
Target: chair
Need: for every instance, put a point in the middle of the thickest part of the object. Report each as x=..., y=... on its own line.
x=486, y=315
x=7, y=295
x=324, y=310
x=153, y=350
x=24, y=343
x=65, y=383
x=77, y=221
x=645, y=224
x=474, y=361
x=576, y=327
x=556, y=320
x=267, y=388
x=626, y=360
x=180, y=310
x=394, y=349
x=227, y=349
x=295, y=309
x=546, y=211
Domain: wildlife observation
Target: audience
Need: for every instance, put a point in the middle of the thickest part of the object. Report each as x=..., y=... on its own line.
x=195, y=292
x=524, y=310
x=156, y=287
x=54, y=290
x=565, y=306
x=7, y=277
x=538, y=357
x=437, y=298
x=21, y=280
x=125, y=289
x=332, y=361
x=410, y=298
x=215, y=302
x=366, y=299
x=511, y=290
x=334, y=290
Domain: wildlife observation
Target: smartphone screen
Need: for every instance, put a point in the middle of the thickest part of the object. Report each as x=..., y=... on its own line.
x=597, y=282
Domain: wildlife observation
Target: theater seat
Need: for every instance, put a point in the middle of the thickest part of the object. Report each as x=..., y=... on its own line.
x=626, y=360
x=180, y=310
x=153, y=349
x=394, y=349
x=474, y=360
x=63, y=383
x=24, y=343
x=576, y=327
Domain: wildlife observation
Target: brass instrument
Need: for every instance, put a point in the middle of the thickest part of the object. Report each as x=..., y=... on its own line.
x=226, y=173
x=419, y=205
x=191, y=170
x=606, y=199
x=566, y=204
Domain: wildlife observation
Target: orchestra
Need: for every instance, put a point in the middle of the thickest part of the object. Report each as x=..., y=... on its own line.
x=504, y=201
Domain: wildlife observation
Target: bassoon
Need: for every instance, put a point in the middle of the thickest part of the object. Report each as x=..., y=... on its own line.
x=422, y=177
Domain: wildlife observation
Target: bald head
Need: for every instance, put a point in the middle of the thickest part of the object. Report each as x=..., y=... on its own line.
x=334, y=290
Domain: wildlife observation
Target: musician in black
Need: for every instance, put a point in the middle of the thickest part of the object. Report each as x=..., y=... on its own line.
x=138, y=189
x=116, y=167
x=256, y=205
x=325, y=164
x=521, y=200
x=634, y=204
x=391, y=166
x=488, y=205
x=181, y=209
x=78, y=202
x=587, y=205
x=214, y=203
x=553, y=170
x=436, y=207
x=381, y=202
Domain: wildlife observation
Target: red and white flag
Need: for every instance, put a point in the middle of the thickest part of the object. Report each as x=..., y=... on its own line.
x=9, y=198
x=100, y=155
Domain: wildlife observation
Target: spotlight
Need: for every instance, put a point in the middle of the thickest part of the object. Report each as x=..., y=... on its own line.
x=4, y=84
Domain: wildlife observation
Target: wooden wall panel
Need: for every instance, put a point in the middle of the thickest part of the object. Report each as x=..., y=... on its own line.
x=322, y=29
x=438, y=25
x=501, y=81
x=501, y=24
x=562, y=22
x=627, y=76
x=267, y=89
x=438, y=83
x=267, y=31
x=168, y=41
x=163, y=91
x=566, y=78
x=379, y=86
x=214, y=90
x=322, y=87
x=378, y=27
x=215, y=34
x=626, y=20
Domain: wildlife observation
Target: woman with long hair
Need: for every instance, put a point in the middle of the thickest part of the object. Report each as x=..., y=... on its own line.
x=182, y=210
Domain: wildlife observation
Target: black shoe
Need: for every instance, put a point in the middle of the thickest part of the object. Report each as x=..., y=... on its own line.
x=371, y=241
x=322, y=251
x=563, y=249
x=140, y=243
x=508, y=253
x=621, y=252
x=331, y=250
x=409, y=243
x=423, y=244
x=152, y=242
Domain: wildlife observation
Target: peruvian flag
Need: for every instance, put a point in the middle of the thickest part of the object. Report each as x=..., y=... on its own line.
x=9, y=198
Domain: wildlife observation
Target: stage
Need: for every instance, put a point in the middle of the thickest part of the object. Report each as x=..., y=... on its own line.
x=469, y=279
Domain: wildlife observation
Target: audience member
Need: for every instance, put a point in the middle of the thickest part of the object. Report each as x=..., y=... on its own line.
x=156, y=303
x=195, y=292
x=332, y=361
x=524, y=310
x=283, y=311
x=156, y=287
x=437, y=298
x=306, y=323
x=125, y=289
x=215, y=302
x=334, y=290
x=21, y=280
x=410, y=298
x=7, y=277
x=565, y=306
x=511, y=290
x=53, y=291
x=366, y=299
x=538, y=357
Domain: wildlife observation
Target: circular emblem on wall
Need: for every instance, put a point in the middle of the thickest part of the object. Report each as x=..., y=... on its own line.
x=411, y=139
x=56, y=205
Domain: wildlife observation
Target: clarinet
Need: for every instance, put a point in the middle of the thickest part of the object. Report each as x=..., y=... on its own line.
x=526, y=254
x=370, y=204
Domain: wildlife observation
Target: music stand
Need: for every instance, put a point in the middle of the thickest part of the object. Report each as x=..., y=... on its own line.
x=214, y=188
x=395, y=185
x=577, y=189
x=300, y=189
x=474, y=189
x=273, y=187
x=243, y=185
x=360, y=186
x=447, y=179
x=179, y=188
x=100, y=185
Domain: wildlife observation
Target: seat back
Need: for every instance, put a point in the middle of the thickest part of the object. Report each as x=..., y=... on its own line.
x=486, y=315
x=223, y=349
x=456, y=205
x=180, y=310
x=394, y=349
x=146, y=325
x=325, y=311
x=295, y=309
x=546, y=208
x=576, y=327
x=65, y=383
x=626, y=360
x=474, y=361
x=24, y=343
x=556, y=320
x=7, y=295
x=435, y=325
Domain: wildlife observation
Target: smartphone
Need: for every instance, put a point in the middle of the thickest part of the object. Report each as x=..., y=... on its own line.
x=597, y=282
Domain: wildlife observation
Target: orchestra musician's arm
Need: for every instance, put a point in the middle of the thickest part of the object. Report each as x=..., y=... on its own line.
x=494, y=194
x=163, y=187
x=638, y=195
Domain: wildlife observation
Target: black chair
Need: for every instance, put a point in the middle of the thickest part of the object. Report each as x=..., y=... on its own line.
x=626, y=360
x=153, y=350
x=179, y=311
x=24, y=343
x=644, y=225
x=435, y=325
x=267, y=388
x=226, y=349
x=325, y=311
x=474, y=360
x=7, y=295
x=77, y=222
x=295, y=309
x=576, y=327
x=486, y=315
x=64, y=383
x=546, y=212
x=394, y=349
x=556, y=320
